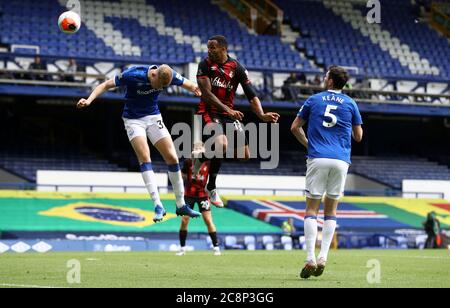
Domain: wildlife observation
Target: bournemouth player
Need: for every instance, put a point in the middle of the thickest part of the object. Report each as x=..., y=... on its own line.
x=196, y=194
x=218, y=78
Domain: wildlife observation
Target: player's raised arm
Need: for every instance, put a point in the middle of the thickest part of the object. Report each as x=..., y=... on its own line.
x=178, y=80
x=192, y=87
x=256, y=107
x=299, y=133
x=98, y=91
x=255, y=103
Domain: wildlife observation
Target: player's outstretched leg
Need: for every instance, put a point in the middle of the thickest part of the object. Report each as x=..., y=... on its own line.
x=221, y=144
x=178, y=187
x=142, y=151
x=150, y=183
x=167, y=149
x=211, y=188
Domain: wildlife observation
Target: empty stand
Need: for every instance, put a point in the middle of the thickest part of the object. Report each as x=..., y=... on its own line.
x=25, y=164
x=392, y=171
x=338, y=32
x=154, y=31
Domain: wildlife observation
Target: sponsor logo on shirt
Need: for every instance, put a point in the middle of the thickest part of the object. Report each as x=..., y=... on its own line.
x=222, y=84
x=140, y=92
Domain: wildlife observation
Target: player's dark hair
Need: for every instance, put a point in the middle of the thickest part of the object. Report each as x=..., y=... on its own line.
x=222, y=40
x=339, y=76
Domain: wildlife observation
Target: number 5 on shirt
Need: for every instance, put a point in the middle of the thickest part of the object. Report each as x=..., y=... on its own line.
x=328, y=114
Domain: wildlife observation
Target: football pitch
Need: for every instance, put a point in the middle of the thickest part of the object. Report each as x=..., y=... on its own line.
x=234, y=269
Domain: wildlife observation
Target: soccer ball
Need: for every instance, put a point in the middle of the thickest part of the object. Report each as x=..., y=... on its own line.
x=69, y=22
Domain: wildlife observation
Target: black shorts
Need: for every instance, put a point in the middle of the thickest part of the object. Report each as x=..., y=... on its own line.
x=203, y=203
x=224, y=121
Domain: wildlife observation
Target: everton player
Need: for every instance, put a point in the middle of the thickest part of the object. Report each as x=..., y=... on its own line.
x=196, y=194
x=333, y=118
x=218, y=78
x=143, y=120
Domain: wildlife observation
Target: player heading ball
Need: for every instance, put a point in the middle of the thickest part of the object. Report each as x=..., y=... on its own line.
x=218, y=77
x=142, y=120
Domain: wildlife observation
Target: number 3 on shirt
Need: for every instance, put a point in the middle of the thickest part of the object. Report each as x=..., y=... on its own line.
x=160, y=124
x=328, y=114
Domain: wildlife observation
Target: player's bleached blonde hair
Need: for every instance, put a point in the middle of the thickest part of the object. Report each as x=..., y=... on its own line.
x=165, y=75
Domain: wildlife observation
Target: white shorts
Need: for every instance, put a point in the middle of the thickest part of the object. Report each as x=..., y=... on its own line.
x=326, y=175
x=151, y=126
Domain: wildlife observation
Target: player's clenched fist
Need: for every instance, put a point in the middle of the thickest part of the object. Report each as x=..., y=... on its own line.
x=236, y=115
x=271, y=117
x=82, y=103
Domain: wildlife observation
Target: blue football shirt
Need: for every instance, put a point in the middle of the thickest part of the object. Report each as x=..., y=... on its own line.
x=331, y=117
x=141, y=99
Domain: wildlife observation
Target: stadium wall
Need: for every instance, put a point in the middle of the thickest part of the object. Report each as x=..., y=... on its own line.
x=428, y=186
x=32, y=221
x=77, y=181
x=131, y=182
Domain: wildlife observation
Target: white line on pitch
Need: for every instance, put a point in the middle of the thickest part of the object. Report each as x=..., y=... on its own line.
x=28, y=286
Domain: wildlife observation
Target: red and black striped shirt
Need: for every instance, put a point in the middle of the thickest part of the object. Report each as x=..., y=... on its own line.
x=225, y=79
x=196, y=186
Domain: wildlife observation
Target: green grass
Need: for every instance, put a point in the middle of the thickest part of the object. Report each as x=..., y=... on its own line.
x=259, y=269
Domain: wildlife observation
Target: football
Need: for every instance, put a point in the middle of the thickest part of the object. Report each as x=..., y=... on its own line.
x=69, y=22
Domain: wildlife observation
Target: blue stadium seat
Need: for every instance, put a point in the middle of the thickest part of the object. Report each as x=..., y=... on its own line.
x=324, y=43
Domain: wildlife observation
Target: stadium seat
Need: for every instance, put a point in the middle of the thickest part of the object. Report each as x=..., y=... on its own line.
x=302, y=242
x=402, y=242
x=268, y=242
x=382, y=169
x=392, y=44
x=26, y=164
x=232, y=243
x=286, y=242
x=250, y=242
x=437, y=88
x=406, y=86
x=420, y=241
